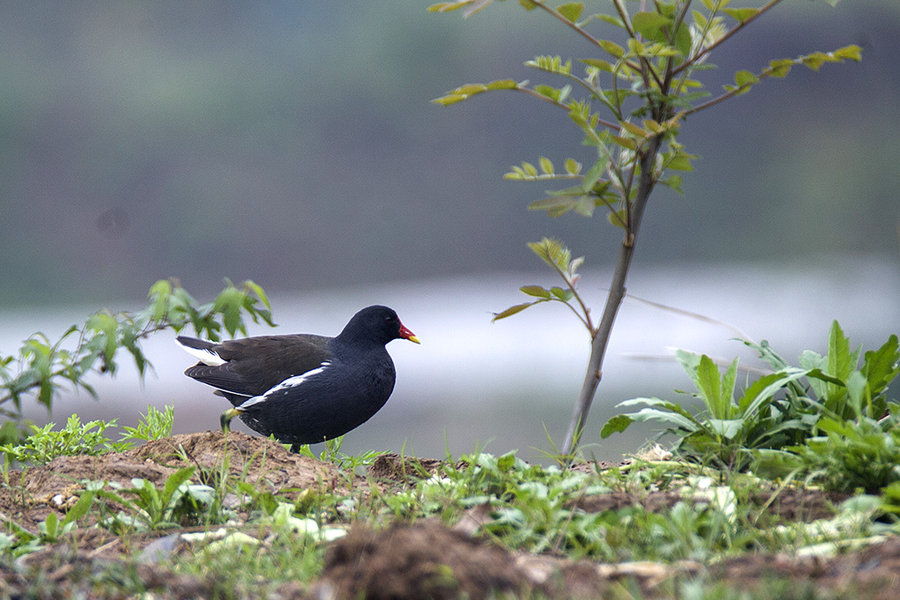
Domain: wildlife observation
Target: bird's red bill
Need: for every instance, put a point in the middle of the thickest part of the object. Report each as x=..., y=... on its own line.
x=406, y=334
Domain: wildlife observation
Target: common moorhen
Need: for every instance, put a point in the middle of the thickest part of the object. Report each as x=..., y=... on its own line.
x=303, y=388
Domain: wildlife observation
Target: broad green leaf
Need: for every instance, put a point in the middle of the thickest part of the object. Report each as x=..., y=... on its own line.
x=617, y=424
x=742, y=78
x=709, y=385
x=683, y=40
x=727, y=428
x=882, y=366
x=761, y=391
x=841, y=362
x=780, y=67
x=672, y=419
x=535, y=290
x=175, y=480
x=529, y=169
x=573, y=167
x=650, y=25
x=815, y=60
x=680, y=162
x=561, y=293
x=852, y=52
x=571, y=11
x=856, y=390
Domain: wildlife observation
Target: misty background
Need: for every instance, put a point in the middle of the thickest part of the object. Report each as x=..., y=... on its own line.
x=294, y=144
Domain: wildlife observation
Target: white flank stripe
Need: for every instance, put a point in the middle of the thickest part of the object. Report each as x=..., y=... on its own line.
x=288, y=383
x=207, y=357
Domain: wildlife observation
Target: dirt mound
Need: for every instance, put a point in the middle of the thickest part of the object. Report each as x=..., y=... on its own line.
x=255, y=458
x=426, y=560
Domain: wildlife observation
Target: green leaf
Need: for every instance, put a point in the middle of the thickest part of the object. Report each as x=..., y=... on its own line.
x=546, y=165
x=625, y=142
x=573, y=167
x=619, y=218
x=562, y=294
x=554, y=205
x=613, y=49
x=680, y=162
x=741, y=14
x=593, y=175
x=584, y=206
x=571, y=11
x=598, y=63
x=650, y=25
x=683, y=40
x=535, y=290
x=742, y=78
x=617, y=424
x=634, y=129
x=502, y=84
x=852, y=52
x=511, y=311
x=779, y=67
x=882, y=366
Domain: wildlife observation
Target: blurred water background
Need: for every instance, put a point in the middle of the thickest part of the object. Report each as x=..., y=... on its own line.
x=294, y=144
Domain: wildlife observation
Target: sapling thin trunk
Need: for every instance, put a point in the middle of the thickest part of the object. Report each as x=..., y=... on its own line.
x=613, y=300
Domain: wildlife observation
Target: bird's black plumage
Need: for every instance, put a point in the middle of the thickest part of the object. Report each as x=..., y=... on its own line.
x=304, y=388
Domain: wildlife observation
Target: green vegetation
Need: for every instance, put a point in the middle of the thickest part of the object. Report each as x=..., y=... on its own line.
x=629, y=101
x=42, y=366
x=830, y=420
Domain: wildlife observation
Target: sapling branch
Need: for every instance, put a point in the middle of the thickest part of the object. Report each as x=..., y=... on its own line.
x=741, y=24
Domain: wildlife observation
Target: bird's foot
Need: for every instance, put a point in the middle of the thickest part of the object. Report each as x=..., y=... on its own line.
x=227, y=416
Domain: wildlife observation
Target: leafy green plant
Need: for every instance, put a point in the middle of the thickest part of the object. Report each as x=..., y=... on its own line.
x=44, y=444
x=154, y=425
x=178, y=503
x=863, y=453
x=42, y=366
x=628, y=100
x=830, y=415
x=727, y=428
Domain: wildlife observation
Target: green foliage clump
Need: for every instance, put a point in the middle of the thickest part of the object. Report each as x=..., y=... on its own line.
x=42, y=365
x=44, y=444
x=830, y=418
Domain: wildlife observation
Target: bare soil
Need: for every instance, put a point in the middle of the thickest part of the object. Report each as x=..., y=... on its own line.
x=425, y=559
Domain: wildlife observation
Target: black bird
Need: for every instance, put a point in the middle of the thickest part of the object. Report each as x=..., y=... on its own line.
x=303, y=388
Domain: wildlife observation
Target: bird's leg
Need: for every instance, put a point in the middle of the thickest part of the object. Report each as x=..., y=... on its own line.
x=227, y=416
